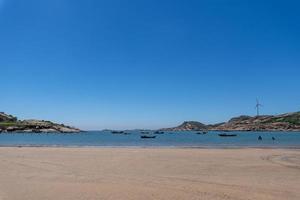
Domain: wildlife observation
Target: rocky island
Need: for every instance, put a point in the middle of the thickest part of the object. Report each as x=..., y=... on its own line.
x=9, y=123
x=283, y=122
x=188, y=126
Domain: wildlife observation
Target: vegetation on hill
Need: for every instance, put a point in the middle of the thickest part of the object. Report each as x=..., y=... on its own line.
x=9, y=123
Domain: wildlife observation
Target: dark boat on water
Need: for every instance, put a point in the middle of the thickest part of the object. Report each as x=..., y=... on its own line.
x=144, y=132
x=117, y=132
x=201, y=133
x=159, y=132
x=227, y=135
x=148, y=137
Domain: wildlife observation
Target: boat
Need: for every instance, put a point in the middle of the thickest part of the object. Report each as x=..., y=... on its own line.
x=117, y=132
x=37, y=131
x=148, y=137
x=227, y=135
x=259, y=138
x=144, y=132
x=201, y=133
x=159, y=132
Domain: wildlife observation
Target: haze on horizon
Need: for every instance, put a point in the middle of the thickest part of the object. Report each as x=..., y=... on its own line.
x=148, y=64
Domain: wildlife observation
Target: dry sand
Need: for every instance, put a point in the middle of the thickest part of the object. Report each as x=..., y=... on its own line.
x=128, y=173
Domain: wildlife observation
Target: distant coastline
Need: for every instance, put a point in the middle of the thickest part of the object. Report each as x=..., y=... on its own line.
x=289, y=122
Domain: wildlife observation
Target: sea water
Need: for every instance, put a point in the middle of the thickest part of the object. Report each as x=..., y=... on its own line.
x=168, y=139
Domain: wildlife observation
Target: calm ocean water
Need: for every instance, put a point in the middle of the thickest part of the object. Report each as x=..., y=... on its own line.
x=168, y=139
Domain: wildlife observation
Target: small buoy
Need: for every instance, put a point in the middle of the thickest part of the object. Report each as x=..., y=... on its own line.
x=259, y=138
x=273, y=138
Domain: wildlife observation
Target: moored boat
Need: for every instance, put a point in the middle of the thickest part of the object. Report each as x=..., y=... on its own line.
x=227, y=135
x=159, y=132
x=202, y=133
x=117, y=132
x=148, y=137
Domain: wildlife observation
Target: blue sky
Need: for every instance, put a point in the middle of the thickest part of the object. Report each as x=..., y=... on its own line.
x=148, y=64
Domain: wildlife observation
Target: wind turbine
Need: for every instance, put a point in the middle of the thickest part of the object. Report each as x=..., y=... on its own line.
x=258, y=105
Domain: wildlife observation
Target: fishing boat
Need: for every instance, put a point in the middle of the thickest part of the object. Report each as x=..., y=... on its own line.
x=201, y=133
x=117, y=132
x=158, y=132
x=148, y=137
x=227, y=135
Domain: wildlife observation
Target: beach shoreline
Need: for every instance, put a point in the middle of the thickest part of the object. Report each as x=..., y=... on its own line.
x=153, y=147
x=148, y=173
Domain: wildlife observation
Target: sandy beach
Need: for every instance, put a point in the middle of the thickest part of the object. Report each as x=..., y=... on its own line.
x=137, y=173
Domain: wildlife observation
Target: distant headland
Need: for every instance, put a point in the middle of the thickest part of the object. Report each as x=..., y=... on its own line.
x=283, y=122
x=9, y=123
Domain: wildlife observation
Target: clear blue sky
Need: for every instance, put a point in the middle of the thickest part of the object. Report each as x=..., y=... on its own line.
x=148, y=64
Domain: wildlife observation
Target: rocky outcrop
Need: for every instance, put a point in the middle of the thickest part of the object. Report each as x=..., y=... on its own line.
x=188, y=126
x=7, y=118
x=284, y=122
x=9, y=124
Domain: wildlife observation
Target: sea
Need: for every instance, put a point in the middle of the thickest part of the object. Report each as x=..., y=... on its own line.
x=169, y=139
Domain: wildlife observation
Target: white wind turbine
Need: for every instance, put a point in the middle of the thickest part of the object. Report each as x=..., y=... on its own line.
x=257, y=107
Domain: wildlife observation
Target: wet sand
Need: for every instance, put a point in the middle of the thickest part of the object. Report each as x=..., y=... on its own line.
x=154, y=173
